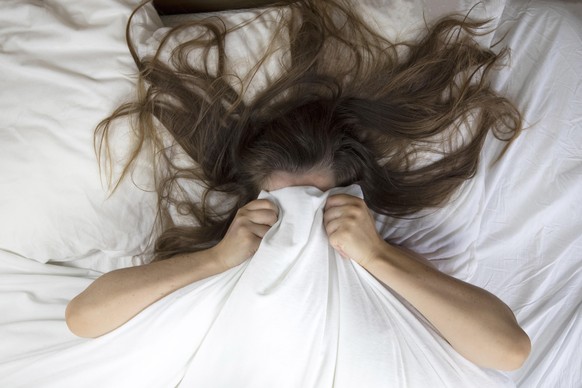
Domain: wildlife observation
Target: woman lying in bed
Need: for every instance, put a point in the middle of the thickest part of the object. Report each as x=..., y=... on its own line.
x=404, y=121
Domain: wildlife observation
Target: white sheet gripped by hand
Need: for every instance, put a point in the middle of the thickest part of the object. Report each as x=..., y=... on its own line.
x=296, y=315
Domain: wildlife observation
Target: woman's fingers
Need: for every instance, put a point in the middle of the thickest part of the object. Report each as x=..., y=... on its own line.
x=261, y=204
x=343, y=200
x=259, y=230
x=351, y=228
x=260, y=211
x=345, y=212
x=262, y=217
x=246, y=231
x=346, y=207
x=255, y=217
x=335, y=226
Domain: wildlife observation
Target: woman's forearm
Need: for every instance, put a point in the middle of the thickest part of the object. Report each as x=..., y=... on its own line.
x=476, y=323
x=117, y=296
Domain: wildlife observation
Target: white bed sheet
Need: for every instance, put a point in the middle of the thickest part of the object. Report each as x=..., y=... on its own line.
x=297, y=314
x=516, y=230
x=529, y=249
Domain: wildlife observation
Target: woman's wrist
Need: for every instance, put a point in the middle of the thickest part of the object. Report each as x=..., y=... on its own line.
x=212, y=259
x=382, y=256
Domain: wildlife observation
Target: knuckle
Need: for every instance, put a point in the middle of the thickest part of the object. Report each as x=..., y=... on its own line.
x=350, y=222
x=241, y=212
x=273, y=218
x=247, y=239
x=238, y=222
x=338, y=235
x=333, y=240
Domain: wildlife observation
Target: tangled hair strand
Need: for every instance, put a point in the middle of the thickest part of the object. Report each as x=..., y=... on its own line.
x=405, y=120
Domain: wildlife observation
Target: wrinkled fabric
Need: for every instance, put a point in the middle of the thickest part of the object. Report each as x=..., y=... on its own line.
x=295, y=315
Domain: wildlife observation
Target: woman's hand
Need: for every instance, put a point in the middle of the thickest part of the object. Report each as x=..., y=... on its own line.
x=351, y=228
x=246, y=231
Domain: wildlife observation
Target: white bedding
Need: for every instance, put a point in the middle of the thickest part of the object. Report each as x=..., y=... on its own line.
x=515, y=229
x=297, y=314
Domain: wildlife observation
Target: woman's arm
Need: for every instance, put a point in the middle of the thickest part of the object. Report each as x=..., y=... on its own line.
x=116, y=297
x=476, y=323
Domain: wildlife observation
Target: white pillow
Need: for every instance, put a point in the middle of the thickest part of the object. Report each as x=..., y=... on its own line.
x=65, y=66
x=405, y=19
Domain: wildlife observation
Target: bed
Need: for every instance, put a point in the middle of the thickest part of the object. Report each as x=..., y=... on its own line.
x=515, y=229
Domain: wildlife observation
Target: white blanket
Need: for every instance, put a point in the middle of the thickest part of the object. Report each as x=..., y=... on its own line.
x=296, y=315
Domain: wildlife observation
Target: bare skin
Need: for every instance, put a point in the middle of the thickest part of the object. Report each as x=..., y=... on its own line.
x=476, y=323
x=117, y=296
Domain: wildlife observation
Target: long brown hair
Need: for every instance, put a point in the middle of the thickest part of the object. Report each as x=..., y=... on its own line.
x=406, y=121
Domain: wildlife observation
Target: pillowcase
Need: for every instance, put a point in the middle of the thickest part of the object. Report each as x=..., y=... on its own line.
x=405, y=19
x=65, y=67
